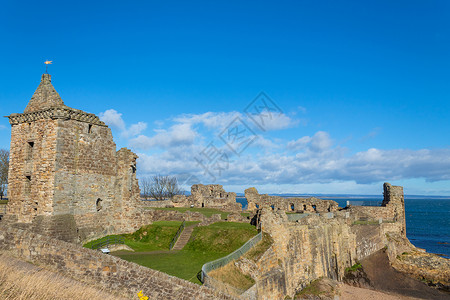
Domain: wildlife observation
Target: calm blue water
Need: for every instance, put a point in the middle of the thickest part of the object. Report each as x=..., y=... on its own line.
x=427, y=222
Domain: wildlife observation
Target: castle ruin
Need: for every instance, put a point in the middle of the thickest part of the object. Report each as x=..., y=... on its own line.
x=66, y=178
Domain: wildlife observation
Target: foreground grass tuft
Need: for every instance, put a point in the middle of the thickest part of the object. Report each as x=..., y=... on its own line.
x=353, y=268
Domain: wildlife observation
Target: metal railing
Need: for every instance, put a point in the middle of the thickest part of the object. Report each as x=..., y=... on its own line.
x=215, y=264
x=174, y=240
x=111, y=240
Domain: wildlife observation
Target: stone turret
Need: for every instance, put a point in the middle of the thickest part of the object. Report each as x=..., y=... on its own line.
x=45, y=96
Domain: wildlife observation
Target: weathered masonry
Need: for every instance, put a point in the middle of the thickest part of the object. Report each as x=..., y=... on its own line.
x=294, y=204
x=66, y=179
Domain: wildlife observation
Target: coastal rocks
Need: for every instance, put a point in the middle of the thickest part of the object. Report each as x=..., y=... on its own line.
x=428, y=267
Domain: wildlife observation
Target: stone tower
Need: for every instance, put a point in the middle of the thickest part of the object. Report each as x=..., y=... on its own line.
x=65, y=177
x=394, y=200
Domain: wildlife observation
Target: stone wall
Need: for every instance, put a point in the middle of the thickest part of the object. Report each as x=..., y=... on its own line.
x=104, y=271
x=294, y=204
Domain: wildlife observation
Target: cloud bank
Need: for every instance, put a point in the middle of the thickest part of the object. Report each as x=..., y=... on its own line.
x=314, y=159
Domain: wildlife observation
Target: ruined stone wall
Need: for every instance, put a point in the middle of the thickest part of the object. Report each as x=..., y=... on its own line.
x=392, y=208
x=372, y=213
x=85, y=168
x=294, y=204
x=104, y=271
x=313, y=247
x=31, y=171
x=302, y=252
x=212, y=195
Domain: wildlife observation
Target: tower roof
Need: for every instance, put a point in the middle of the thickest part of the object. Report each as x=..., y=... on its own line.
x=45, y=96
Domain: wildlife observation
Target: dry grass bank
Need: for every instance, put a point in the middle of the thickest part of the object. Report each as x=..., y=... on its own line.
x=21, y=280
x=231, y=275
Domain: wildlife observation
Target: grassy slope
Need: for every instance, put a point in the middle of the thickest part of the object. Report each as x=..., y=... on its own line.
x=206, y=244
x=156, y=236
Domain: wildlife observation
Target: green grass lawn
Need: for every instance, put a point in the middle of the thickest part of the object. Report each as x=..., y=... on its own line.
x=206, y=244
x=154, y=237
x=184, y=264
x=208, y=212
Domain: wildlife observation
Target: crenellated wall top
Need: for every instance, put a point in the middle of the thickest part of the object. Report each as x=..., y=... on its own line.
x=64, y=112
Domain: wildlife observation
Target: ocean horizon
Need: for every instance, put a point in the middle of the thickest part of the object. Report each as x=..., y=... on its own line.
x=427, y=218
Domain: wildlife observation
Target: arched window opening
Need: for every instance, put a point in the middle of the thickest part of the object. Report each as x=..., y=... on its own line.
x=292, y=207
x=98, y=204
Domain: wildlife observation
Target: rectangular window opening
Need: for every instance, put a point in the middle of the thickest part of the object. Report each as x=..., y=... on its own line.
x=30, y=147
x=90, y=128
x=27, y=185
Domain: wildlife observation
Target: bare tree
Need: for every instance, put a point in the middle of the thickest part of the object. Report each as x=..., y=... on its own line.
x=164, y=187
x=4, y=166
x=172, y=187
x=145, y=184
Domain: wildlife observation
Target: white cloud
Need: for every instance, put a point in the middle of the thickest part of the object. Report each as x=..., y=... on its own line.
x=2, y=127
x=134, y=129
x=113, y=119
x=299, y=144
x=271, y=122
x=177, y=135
x=211, y=120
x=319, y=142
x=219, y=121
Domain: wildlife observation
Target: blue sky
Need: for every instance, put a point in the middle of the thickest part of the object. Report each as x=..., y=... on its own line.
x=361, y=89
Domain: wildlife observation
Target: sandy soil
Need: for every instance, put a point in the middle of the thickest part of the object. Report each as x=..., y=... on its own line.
x=354, y=293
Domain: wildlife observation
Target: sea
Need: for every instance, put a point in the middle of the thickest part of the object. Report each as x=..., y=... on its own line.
x=427, y=219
